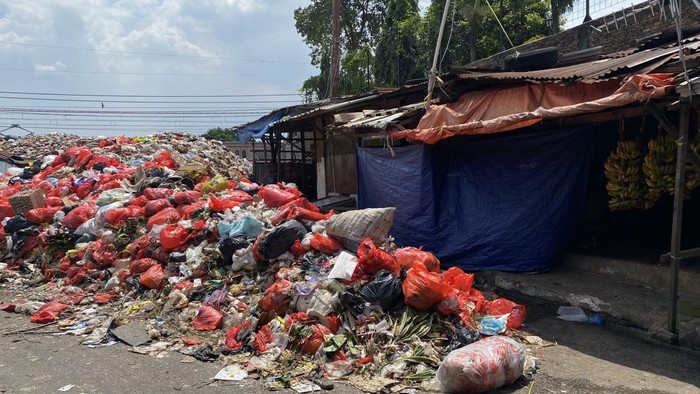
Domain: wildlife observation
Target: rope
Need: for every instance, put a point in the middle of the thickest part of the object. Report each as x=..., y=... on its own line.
x=499, y=24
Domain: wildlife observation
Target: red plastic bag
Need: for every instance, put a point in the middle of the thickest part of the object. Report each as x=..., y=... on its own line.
x=185, y=287
x=208, y=319
x=312, y=343
x=371, y=259
x=78, y=216
x=276, y=297
x=410, y=256
x=482, y=366
x=48, y=312
x=154, y=278
x=232, y=342
x=140, y=266
x=326, y=245
x=458, y=279
x=168, y=215
x=187, y=211
x=143, y=247
x=477, y=297
x=139, y=201
x=186, y=198
x=422, y=289
x=105, y=298
x=6, y=211
x=297, y=249
x=275, y=196
x=50, y=201
x=262, y=338
x=118, y=216
x=165, y=159
x=173, y=236
x=41, y=215
x=502, y=306
x=156, y=193
x=85, y=189
x=221, y=204
x=155, y=206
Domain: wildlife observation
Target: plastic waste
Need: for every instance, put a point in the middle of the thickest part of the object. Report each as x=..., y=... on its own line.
x=384, y=289
x=482, y=366
x=572, y=313
x=280, y=239
x=492, y=325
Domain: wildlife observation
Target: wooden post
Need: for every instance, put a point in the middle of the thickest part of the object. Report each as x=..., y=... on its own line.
x=335, y=52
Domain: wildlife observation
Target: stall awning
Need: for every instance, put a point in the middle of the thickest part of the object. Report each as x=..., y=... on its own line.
x=513, y=107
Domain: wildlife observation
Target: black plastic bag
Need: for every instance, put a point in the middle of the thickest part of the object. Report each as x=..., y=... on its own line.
x=229, y=245
x=17, y=223
x=352, y=302
x=463, y=336
x=280, y=239
x=384, y=289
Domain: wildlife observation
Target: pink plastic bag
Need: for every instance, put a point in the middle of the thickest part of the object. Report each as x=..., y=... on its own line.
x=482, y=366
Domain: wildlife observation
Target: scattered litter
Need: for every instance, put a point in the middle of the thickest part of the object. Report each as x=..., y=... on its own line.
x=572, y=313
x=132, y=334
x=67, y=387
x=305, y=387
x=231, y=373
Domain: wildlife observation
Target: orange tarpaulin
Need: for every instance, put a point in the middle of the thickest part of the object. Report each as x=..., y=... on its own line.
x=503, y=109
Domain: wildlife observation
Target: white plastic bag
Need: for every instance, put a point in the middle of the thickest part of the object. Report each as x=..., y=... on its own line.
x=482, y=366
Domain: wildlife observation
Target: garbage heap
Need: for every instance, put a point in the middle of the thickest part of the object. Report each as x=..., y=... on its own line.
x=152, y=242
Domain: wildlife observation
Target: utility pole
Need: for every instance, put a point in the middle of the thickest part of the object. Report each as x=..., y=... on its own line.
x=335, y=52
x=433, y=70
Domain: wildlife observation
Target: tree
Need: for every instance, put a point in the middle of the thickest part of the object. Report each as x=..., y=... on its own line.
x=397, y=45
x=361, y=21
x=221, y=134
x=558, y=8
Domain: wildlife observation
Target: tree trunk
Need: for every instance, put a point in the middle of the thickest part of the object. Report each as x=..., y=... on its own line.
x=556, y=16
x=472, y=36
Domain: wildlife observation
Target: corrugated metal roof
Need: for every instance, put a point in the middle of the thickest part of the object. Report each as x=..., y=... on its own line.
x=585, y=72
x=381, y=119
x=329, y=108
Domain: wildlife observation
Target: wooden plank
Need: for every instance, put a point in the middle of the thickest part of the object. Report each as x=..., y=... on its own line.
x=657, y=112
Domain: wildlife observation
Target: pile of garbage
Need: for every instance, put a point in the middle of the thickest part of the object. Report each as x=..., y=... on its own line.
x=188, y=150
x=116, y=242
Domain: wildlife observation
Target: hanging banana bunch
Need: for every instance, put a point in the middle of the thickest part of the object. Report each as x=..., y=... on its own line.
x=692, y=173
x=659, y=169
x=625, y=181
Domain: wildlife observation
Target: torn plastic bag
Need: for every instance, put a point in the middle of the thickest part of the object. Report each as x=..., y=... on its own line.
x=502, y=306
x=187, y=198
x=371, y=259
x=458, y=279
x=90, y=227
x=237, y=335
x=152, y=193
x=229, y=245
x=48, y=313
x=384, y=289
x=482, y=366
x=113, y=195
x=208, y=319
x=277, y=297
x=463, y=336
x=318, y=336
x=6, y=211
x=280, y=239
x=423, y=289
x=276, y=196
x=137, y=267
x=243, y=259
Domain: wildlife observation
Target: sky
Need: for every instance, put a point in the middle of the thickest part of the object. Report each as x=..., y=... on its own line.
x=147, y=47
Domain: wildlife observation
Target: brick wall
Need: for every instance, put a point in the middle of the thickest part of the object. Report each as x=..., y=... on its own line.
x=606, y=33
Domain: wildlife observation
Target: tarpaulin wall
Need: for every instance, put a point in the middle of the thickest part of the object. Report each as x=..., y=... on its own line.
x=508, y=203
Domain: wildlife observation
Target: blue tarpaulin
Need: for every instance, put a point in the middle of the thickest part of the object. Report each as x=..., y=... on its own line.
x=507, y=202
x=259, y=127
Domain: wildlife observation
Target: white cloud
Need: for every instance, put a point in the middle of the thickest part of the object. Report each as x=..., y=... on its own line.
x=56, y=66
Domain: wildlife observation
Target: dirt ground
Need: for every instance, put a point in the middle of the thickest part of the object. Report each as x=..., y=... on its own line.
x=585, y=359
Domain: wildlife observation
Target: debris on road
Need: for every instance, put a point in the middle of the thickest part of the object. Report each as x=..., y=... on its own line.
x=163, y=243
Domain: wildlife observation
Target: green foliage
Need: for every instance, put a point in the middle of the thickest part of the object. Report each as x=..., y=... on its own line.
x=221, y=134
x=387, y=42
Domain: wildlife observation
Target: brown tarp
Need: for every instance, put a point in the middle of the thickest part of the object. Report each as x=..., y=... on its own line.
x=508, y=108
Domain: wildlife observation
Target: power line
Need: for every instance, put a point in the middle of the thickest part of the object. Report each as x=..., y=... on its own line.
x=139, y=73
x=65, y=112
x=145, y=95
x=104, y=116
x=147, y=102
x=149, y=53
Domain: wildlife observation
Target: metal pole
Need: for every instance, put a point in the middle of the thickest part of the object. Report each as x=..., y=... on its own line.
x=679, y=194
x=335, y=51
x=433, y=70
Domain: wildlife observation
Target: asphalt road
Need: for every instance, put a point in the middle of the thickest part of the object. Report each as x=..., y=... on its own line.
x=586, y=359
